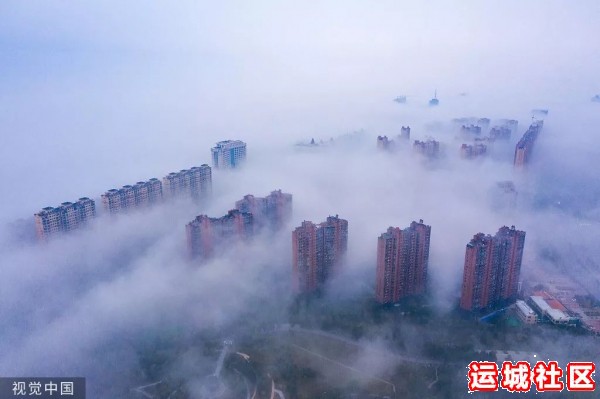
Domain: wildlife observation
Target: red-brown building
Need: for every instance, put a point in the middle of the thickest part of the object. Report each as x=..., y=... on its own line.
x=318, y=252
x=272, y=211
x=402, y=260
x=492, y=268
x=524, y=147
x=205, y=234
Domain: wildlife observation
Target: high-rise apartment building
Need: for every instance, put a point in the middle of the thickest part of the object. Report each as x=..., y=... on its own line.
x=66, y=217
x=492, y=268
x=470, y=130
x=524, y=147
x=228, y=154
x=383, y=143
x=429, y=148
x=500, y=133
x=318, y=252
x=195, y=182
x=405, y=133
x=205, y=234
x=304, y=258
x=483, y=123
x=469, y=151
x=402, y=261
x=141, y=194
x=272, y=211
x=512, y=124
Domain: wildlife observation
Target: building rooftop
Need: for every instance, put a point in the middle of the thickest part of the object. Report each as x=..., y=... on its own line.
x=524, y=308
x=555, y=314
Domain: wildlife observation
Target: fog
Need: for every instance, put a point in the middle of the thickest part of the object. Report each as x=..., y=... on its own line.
x=97, y=96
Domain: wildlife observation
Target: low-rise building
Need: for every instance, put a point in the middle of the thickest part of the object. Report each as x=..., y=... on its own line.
x=550, y=313
x=525, y=313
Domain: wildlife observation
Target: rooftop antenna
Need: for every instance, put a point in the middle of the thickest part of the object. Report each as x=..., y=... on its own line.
x=434, y=101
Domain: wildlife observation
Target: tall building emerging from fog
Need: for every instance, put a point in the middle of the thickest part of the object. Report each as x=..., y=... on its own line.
x=405, y=133
x=272, y=211
x=524, y=147
x=492, y=268
x=205, y=234
x=402, y=260
x=66, y=217
x=429, y=148
x=470, y=130
x=383, y=143
x=139, y=195
x=195, y=183
x=500, y=133
x=228, y=154
x=318, y=251
x=470, y=151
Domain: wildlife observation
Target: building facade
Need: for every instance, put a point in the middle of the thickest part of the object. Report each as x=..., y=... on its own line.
x=228, y=154
x=524, y=147
x=492, y=268
x=318, y=252
x=141, y=194
x=500, y=133
x=383, y=143
x=470, y=151
x=195, y=183
x=429, y=148
x=205, y=235
x=273, y=211
x=68, y=216
x=405, y=133
x=402, y=262
x=470, y=130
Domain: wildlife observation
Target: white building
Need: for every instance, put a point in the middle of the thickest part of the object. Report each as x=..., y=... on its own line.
x=228, y=154
x=525, y=313
x=555, y=316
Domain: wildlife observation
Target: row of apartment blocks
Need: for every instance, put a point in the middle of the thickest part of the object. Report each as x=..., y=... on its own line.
x=251, y=214
x=470, y=126
x=491, y=269
x=524, y=147
x=140, y=194
x=195, y=182
x=66, y=217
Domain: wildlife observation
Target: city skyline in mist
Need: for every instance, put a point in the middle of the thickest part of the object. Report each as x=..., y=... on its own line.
x=93, y=91
x=99, y=96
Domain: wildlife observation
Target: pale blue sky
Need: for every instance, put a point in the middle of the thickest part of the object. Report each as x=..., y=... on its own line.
x=86, y=84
